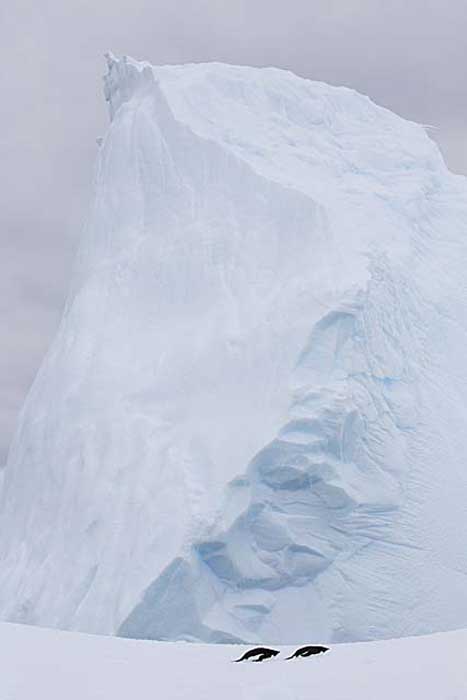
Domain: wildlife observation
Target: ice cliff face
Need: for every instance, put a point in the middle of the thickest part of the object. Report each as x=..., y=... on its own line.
x=252, y=424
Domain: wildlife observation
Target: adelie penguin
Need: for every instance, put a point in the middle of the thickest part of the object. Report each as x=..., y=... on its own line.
x=258, y=654
x=308, y=651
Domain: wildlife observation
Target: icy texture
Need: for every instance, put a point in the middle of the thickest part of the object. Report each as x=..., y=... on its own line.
x=252, y=424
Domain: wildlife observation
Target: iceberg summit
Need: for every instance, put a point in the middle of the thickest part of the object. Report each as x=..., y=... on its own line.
x=252, y=423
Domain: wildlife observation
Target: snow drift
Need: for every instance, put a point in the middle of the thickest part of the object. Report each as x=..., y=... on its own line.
x=50, y=665
x=252, y=423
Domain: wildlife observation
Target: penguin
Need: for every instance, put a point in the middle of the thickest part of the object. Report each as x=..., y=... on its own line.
x=258, y=654
x=308, y=651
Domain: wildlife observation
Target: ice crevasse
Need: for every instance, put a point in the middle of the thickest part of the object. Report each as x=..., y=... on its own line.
x=252, y=423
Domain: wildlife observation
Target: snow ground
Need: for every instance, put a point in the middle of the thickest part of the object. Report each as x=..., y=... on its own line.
x=44, y=664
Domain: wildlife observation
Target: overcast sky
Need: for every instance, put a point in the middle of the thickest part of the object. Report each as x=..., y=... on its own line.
x=408, y=55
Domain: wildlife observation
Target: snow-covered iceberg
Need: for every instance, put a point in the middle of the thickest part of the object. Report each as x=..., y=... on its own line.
x=252, y=424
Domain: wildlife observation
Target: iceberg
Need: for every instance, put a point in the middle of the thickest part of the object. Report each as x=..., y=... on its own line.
x=252, y=423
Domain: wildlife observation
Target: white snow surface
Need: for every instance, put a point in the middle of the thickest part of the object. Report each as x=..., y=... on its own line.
x=51, y=665
x=252, y=423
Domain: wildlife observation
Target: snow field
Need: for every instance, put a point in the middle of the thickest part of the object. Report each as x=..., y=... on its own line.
x=50, y=665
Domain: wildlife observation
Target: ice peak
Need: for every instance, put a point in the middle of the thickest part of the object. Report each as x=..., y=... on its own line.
x=252, y=419
x=125, y=78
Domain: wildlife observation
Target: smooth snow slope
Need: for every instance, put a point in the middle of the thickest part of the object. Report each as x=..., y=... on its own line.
x=252, y=423
x=49, y=665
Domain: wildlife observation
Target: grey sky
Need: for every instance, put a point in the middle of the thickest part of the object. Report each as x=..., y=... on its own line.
x=410, y=56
